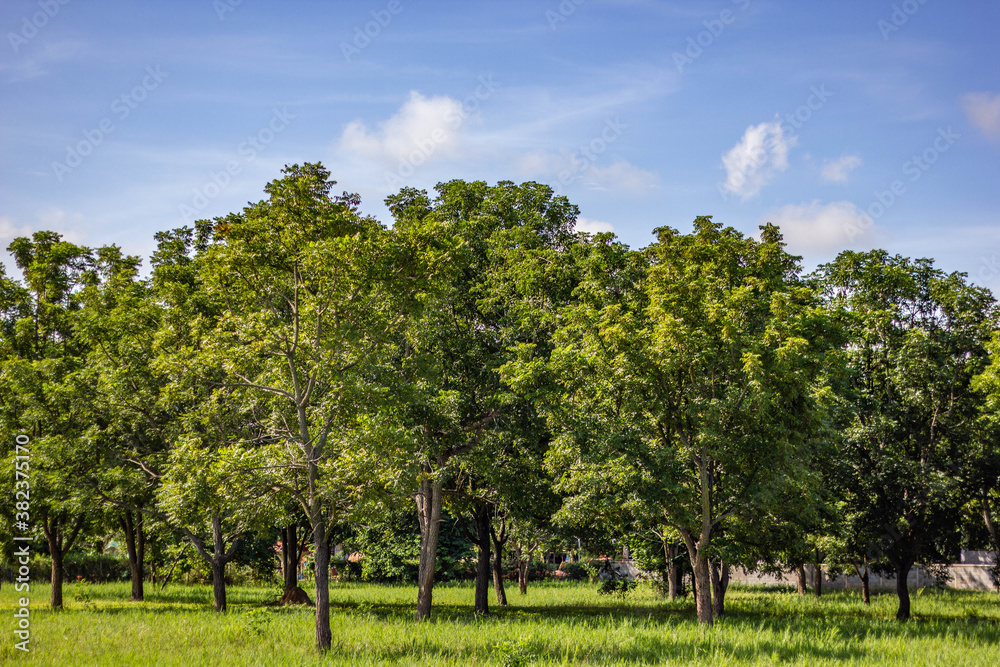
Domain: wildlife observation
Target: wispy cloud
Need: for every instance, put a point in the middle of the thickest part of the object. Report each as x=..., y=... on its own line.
x=983, y=111
x=429, y=137
x=838, y=170
x=820, y=228
x=9, y=230
x=42, y=59
x=50, y=219
x=423, y=125
x=593, y=226
x=756, y=159
x=565, y=168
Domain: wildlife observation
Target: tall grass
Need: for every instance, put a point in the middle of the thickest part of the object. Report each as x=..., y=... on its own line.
x=555, y=624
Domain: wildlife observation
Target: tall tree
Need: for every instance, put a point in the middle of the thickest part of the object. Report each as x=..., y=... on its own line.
x=689, y=383
x=45, y=381
x=505, y=249
x=308, y=290
x=981, y=468
x=119, y=322
x=916, y=338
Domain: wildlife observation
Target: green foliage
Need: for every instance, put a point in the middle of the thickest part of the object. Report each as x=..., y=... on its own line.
x=574, y=571
x=514, y=654
x=298, y=360
x=917, y=337
x=77, y=566
x=257, y=554
x=390, y=548
x=617, y=586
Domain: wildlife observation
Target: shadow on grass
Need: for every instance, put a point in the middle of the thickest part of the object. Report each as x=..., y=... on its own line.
x=829, y=629
x=644, y=650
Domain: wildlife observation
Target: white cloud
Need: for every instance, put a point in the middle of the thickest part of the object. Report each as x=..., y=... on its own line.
x=422, y=129
x=983, y=111
x=756, y=159
x=593, y=226
x=822, y=228
x=52, y=219
x=42, y=56
x=10, y=231
x=566, y=168
x=620, y=176
x=838, y=170
x=432, y=138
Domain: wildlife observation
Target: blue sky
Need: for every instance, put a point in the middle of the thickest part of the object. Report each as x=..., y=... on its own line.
x=851, y=124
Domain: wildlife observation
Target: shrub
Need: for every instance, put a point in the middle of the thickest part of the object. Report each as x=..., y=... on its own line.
x=574, y=571
x=98, y=568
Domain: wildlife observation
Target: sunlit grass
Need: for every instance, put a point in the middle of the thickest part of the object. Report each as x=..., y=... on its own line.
x=559, y=623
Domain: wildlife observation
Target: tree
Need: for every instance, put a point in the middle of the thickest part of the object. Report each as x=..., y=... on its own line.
x=45, y=382
x=211, y=484
x=688, y=377
x=309, y=291
x=981, y=468
x=119, y=323
x=916, y=337
x=504, y=247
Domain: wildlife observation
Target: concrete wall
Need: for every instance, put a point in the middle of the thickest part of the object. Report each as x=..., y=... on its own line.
x=965, y=576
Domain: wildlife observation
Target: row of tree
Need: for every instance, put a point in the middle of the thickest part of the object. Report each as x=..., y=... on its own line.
x=299, y=363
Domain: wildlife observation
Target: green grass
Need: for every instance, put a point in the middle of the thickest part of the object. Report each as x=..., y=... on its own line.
x=559, y=623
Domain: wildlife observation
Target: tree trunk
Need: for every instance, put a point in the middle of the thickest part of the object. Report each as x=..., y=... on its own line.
x=135, y=544
x=429, y=516
x=56, y=577
x=990, y=525
x=498, y=577
x=483, y=568
x=903, y=590
x=800, y=580
x=866, y=595
x=703, y=588
x=992, y=530
x=522, y=575
x=218, y=564
x=673, y=572
x=59, y=546
x=219, y=585
x=321, y=549
x=499, y=539
x=701, y=575
x=140, y=557
x=818, y=580
x=698, y=550
x=720, y=582
x=289, y=557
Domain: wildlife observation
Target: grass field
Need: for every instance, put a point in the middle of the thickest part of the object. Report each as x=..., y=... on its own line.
x=558, y=623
